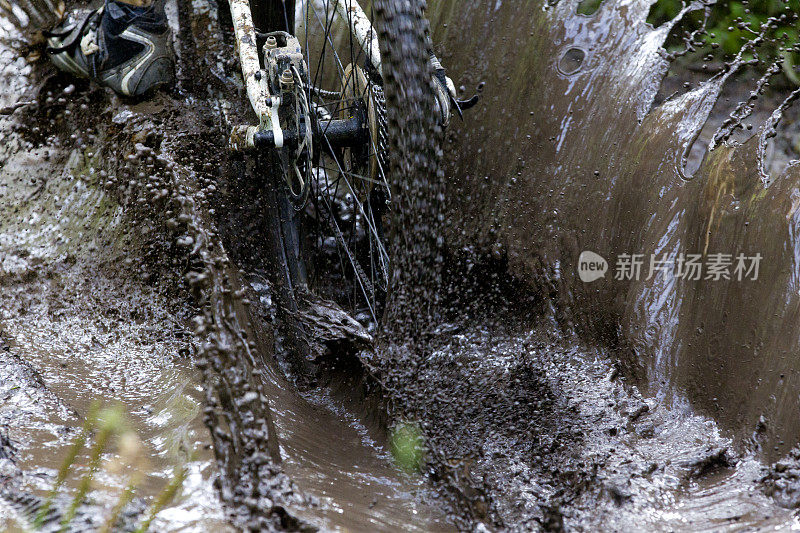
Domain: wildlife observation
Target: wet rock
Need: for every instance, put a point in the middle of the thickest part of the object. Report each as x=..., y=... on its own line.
x=618, y=491
x=330, y=326
x=781, y=480
x=709, y=461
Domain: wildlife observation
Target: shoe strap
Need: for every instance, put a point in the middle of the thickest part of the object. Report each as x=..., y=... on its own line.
x=74, y=33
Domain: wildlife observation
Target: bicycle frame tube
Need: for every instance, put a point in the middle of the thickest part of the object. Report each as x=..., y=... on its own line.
x=245, y=32
x=361, y=27
x=255, y=79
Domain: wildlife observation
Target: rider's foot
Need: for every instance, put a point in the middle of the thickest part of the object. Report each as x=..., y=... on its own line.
x=125, y=47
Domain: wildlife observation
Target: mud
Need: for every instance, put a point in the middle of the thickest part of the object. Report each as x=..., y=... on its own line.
x=79, y=327
x=589, y=163
x=554, y=435
x=131, y=258
x=340, y=477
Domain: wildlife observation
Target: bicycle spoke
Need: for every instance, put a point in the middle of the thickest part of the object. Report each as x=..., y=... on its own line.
x=337, y=87
x=360, y=205
x=362, y=282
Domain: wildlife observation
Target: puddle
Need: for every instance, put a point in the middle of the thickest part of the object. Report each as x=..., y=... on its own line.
x=92, y=338
x=571, y=61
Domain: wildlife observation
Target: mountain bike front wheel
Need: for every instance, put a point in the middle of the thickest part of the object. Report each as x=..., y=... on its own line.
x=350, y=185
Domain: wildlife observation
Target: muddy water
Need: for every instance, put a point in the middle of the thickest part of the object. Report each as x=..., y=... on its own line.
x=74, y=334
x=340, y=456
x=543, y=424
x=105, y=329
x=587, y=164
x=83, y=360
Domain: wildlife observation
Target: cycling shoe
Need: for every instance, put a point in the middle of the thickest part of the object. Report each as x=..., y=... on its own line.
x=124, y=47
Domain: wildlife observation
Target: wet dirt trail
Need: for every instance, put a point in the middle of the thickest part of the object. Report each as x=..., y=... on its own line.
x=132, y=272
x=80, y=325
x=86, y=319
x=337, y=452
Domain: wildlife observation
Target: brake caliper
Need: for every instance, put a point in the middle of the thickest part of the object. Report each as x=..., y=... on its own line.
x=286, y=69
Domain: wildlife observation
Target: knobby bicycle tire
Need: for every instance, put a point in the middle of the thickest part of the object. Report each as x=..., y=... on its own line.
x=407, y=144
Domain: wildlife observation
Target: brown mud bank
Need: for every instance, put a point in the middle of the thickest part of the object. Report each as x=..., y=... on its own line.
x=567, y=153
